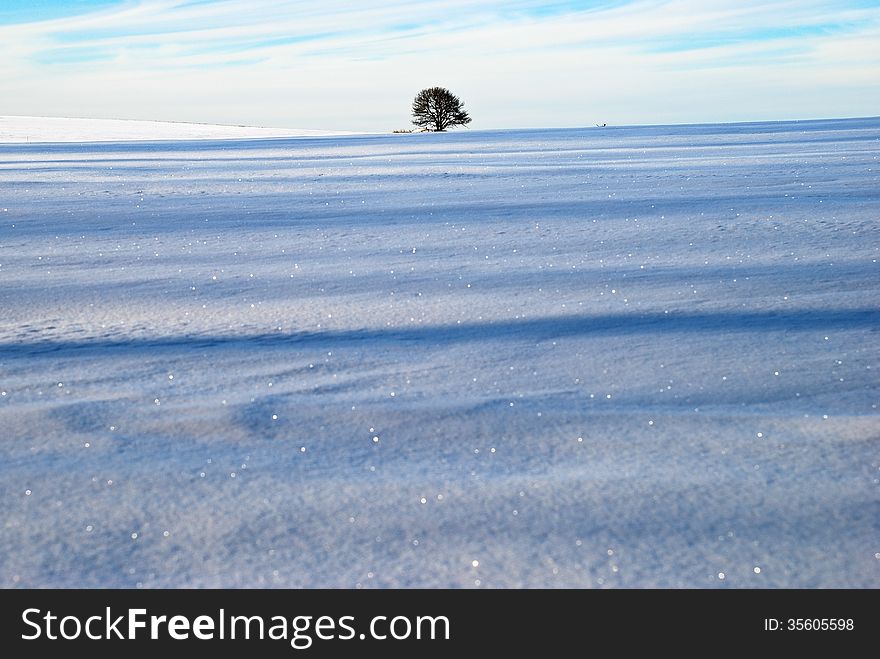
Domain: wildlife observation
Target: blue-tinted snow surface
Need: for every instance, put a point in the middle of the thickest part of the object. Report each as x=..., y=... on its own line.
x=591, y=358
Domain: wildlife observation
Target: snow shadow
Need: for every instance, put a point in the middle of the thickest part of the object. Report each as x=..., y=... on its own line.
x=528, y=329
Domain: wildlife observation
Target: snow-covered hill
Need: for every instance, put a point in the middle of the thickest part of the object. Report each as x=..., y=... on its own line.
x=590, y=358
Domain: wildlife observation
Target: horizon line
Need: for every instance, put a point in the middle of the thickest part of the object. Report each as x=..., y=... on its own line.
x=465, y=128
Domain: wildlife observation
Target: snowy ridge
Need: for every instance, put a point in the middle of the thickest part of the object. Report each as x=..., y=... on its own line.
x=63, y=129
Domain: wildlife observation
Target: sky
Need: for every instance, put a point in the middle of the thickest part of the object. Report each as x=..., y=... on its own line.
x=328, y=64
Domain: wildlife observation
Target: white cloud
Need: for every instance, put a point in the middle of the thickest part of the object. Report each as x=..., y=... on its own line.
x=325, y=64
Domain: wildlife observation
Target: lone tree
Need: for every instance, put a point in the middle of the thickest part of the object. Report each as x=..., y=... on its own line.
x=437, y=108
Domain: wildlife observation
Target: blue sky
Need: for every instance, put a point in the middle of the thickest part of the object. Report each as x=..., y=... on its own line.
x=356, y=66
